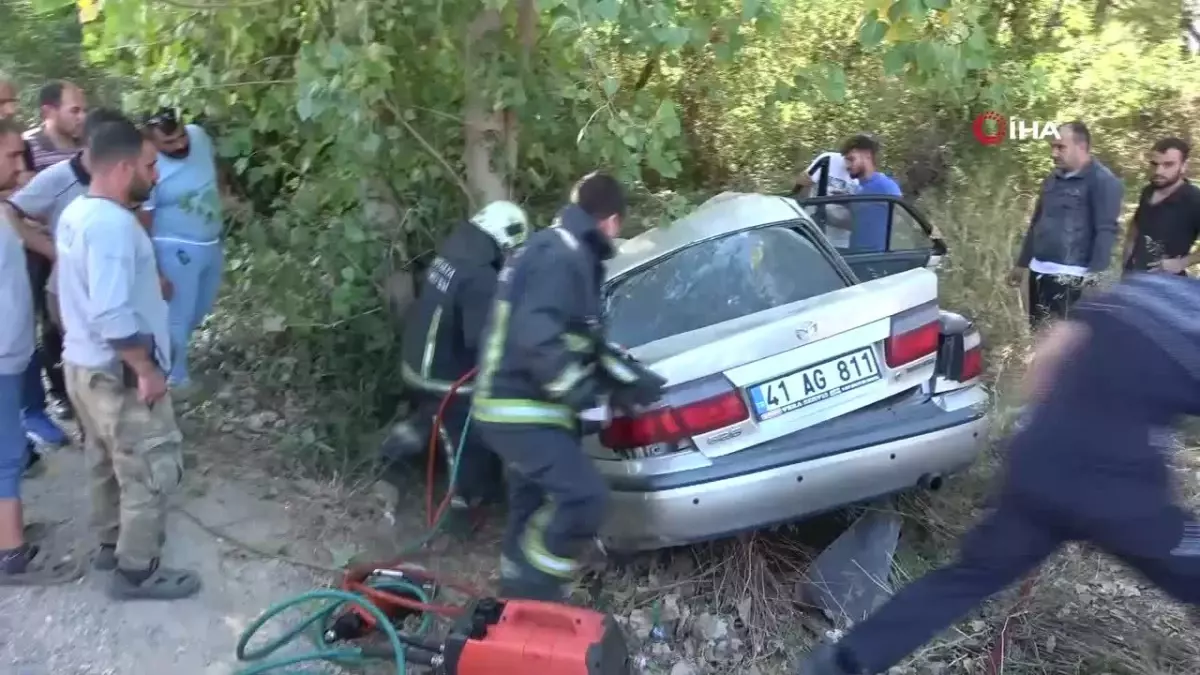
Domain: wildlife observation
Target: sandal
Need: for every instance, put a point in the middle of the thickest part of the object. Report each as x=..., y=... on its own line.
x=35, y=571
x=161, y=584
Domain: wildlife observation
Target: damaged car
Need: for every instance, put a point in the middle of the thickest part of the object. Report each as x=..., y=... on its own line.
x=803, y=376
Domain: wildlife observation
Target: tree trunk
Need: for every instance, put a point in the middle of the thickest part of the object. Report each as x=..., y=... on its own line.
x=1190, y=25
x=485, y=128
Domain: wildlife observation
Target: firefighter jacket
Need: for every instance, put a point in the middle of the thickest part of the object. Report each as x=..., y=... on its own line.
x=542, y=362
x=443, y=328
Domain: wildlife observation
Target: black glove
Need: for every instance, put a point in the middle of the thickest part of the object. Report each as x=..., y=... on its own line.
x=645, y=391
x=585, y=394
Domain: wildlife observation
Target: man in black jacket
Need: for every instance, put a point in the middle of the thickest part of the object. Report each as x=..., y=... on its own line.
x=1074, y=227
x=544, y=362
x=442, y=333
x=1090, y=465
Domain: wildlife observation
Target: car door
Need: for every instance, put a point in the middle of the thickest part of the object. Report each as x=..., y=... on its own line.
x=877, y=235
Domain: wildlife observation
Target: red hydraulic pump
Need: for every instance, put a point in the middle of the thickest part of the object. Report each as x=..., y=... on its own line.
x=489, y=636
x=514, y=637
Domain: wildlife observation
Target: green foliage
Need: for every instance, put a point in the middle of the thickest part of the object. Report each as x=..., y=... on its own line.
x=42, y=42
x=355, y=128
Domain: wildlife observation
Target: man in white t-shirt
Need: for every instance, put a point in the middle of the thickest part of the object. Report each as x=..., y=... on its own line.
x=828, y=175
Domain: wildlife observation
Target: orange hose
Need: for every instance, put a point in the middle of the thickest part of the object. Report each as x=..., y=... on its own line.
x=434, y=515
x=355, y=581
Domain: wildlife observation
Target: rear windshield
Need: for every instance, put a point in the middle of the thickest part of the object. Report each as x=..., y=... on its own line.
x=717, y=281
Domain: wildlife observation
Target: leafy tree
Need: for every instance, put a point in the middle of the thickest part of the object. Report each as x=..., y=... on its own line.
x=359, y=130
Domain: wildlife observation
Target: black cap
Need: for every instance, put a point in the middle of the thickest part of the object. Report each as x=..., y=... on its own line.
x=165, y=120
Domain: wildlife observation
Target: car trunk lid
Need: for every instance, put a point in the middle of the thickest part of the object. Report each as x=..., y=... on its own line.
x=749, y=380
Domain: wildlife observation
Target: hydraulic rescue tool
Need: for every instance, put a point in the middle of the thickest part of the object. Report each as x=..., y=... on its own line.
x=377, y=604
x=488, y=636
x=369, y=618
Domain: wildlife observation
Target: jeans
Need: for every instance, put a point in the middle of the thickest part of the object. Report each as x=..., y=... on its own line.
x=12, y=437
x=195, y=272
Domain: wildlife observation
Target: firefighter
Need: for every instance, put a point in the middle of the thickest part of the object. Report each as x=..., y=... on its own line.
x=440, y=345
x=543, y=363
x=1092, y=464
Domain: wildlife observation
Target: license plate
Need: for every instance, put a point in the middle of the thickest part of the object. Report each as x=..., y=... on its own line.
x=815, y=384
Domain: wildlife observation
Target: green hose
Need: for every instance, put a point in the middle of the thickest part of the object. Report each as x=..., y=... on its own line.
x=317, y=622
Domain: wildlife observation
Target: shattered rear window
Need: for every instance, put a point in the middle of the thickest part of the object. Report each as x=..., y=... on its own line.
x=716, y=281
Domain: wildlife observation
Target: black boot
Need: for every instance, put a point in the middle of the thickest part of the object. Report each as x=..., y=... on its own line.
x=824, y=660
x=519, y=582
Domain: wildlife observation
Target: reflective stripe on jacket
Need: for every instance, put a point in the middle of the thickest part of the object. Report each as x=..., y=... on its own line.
x=445, y=325
x=540, y=358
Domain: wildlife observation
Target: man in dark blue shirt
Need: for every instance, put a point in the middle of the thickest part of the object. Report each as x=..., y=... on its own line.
x=1090, y=465
x=870, y=218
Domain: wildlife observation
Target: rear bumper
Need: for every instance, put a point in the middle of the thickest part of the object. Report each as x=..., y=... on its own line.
x=646, y=517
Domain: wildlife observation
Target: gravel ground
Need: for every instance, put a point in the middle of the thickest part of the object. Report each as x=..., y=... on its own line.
x=76, y=630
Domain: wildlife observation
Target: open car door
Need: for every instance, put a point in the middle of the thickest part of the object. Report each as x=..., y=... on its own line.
x=877, y=235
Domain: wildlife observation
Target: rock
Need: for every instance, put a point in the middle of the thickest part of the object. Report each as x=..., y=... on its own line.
x=640, y=624
x=263, y=419
x=709, y=627
x=670, y=608
x=683, y=668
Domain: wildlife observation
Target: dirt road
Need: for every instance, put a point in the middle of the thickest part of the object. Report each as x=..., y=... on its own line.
x=77, y=630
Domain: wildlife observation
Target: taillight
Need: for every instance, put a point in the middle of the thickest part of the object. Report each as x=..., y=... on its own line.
x=906, y=347
x=675, y=422
x=972, y=365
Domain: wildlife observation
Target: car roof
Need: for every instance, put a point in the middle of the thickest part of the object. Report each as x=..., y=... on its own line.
x=726, y=213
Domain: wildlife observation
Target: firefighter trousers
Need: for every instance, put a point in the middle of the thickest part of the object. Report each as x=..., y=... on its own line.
x=557, y=501
x=1005, y=546
x=1089, y=466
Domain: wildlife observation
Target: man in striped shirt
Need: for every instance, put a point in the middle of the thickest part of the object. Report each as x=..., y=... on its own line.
x=60, y=135
x=1091, y=464
x=59, y=138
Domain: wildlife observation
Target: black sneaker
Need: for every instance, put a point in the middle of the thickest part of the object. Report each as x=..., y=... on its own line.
x=62, y=408
x=34, y=466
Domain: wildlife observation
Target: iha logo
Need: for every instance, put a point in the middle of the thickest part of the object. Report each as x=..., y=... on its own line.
x=992, y=128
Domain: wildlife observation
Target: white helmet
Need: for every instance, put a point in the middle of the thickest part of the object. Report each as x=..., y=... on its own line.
x=504, y=222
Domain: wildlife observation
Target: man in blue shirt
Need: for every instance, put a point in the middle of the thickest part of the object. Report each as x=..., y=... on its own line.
x=870, y=218
x=187, y=231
